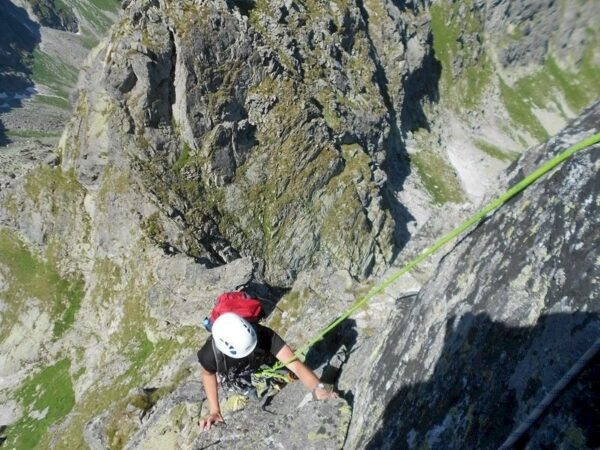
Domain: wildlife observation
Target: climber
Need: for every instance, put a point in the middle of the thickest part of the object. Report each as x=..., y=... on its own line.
x=234, y=348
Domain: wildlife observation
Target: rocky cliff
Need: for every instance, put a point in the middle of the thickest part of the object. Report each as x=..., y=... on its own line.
x=304, y=149
x=507, y=313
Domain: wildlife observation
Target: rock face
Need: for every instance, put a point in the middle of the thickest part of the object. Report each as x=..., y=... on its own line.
x=215, y=144
x=537, y=28
x=508, y=312
x=58, y=16
x=289, y=420
x=270, y=143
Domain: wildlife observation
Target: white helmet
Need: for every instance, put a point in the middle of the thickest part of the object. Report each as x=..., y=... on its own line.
x=234, y=335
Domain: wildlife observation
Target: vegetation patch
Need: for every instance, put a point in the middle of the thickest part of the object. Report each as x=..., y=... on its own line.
x=457, y=39
x=32, y=134
x=52, y=180
x=115, y=182
x=29, y=276
x=117, y=396
x=74, y=292
x=146, y=359
x=88, y=40
x=153, y=228
x=183, y=158
x=545, y=88
x=57, y=75
x=346, y=232
x=495, y=152
x=106, y=5
x=94, y=12
x=519, y=106
x=439, y=178
x=123, y=421
x=46, y=398
x=52, y=100
x=550, y=87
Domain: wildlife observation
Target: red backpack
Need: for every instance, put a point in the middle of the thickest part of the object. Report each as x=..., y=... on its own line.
x=239, y=303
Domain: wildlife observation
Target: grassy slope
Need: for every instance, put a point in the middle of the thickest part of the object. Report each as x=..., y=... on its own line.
x=49, y=392
x=30, y=276
x=51, y=388
x=49, y=395
x=57, y=74
x=462, y=89
x=546, y=87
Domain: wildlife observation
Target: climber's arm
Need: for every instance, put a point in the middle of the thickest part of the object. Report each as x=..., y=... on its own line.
x=304, y=373
x=209, y=380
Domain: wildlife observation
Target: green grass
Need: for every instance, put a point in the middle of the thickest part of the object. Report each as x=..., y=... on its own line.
x=545, y=88
x=32, y=134
x=88, y=40
x=49, y=390
x=48, y=179
x=464, y=89
x=345, y=221
x=145, y=358
x=120, y=426
x=517, y=33
x=106, y=5
x=53, y=73
x=94, y=12
x=51, y=100
x=139, y=349
x=519, y=107
x=183, y=159
x=438, y=177
x=495, y=152
x=29, y=276
x=74, y=294
x=580, y=88
x=114, y=395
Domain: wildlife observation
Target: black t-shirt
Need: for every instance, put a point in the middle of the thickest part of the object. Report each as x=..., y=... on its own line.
x=268, y=343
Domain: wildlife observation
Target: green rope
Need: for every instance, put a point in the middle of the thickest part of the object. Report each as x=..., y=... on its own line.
x=517, y=188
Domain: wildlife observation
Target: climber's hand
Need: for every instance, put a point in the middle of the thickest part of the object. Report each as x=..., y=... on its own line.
x=206, y=422
x=323, y=394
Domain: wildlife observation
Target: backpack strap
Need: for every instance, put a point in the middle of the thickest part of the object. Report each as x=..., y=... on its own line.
x=219, y=371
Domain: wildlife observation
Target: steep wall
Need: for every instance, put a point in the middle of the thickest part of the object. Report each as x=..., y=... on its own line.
x=275, y=139
x=507, y=313
x=318, y=140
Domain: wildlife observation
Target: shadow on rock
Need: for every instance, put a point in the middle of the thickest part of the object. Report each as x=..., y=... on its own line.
x=489, y=377
x=18, y=39
x=3, y=138
x=420, y=86
x=268, y=295
x=332, y=352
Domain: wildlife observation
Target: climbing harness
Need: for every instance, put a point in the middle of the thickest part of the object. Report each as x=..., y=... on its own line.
x=473, y=220
x=245, y=380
